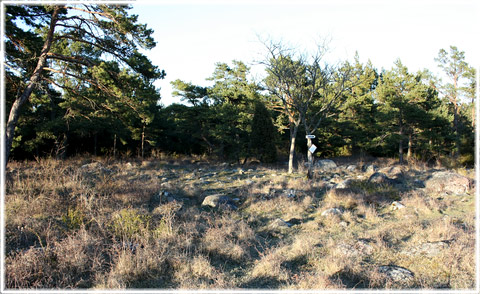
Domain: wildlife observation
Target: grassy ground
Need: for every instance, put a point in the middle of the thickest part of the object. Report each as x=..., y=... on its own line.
x=96, y=226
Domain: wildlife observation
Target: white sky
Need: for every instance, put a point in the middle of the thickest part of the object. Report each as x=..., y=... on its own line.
x=193, y=35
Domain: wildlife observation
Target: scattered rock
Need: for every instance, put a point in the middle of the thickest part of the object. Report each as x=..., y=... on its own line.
x=396, y=273
x=291, y=193
x=344, y=184
x=325, y=164
x=95, y=167
x=360, y=247
x=381, y=178
x=92, y=166
x=393, y=171
x=352, y=168
x=332, y=211
x=396, y=205
x=218, y=200
x=429, y=249
x=448, y=182
x=369, y=168
x=279, y=224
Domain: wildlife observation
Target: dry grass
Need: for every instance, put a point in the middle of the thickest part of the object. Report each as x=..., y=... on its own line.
x=70, y=227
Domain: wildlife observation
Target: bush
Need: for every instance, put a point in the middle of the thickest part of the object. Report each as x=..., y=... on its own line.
x=128, y=223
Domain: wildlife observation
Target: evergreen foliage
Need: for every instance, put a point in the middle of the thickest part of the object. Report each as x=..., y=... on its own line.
x=262, y=138
x=77, y=83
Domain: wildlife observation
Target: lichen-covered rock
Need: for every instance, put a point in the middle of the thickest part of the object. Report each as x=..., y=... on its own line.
x=95, y=167
x=217, y=200
x=380, y=178
x=332, y=211
x=358, y=248
x=325, y=164
x=448, y=182
x=429, y=249
x=352, y=168
x=395, y=171
x=396, y=273
x=279, y=224
x=344, y=184
x=369, y=168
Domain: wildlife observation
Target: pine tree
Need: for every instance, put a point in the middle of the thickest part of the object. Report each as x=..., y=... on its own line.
x=262, y=138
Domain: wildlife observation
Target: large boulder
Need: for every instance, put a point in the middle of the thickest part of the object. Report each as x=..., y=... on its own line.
x=448, y=182
x=325, y=164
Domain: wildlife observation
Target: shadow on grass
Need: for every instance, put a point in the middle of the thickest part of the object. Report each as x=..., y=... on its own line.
x=350, y=280
x=262, y=283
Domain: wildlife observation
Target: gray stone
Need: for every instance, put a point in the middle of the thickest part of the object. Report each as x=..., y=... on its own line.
x=218, y=200
x=429, y=249
x=351, y=168
x=358, y=248
x=396, y=205
x=291, y=193
x=396, y=273
x=325, y=164
x=332, y=211
x=369, y=168
x=448, y=182
x=279, y=224
x=92, y=166
x=393, y=171
x=381, y=178
x=95, y=167
x=344, y=184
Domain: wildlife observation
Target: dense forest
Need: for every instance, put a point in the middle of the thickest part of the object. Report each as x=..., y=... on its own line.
x=77, y=83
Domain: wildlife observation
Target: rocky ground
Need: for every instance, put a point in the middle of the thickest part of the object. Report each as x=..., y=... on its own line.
x=196, y=224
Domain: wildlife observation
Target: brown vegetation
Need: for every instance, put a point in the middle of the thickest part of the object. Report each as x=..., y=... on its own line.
x=74, y=224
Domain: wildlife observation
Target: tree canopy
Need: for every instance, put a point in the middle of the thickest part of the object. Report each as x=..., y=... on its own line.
x=78, y=81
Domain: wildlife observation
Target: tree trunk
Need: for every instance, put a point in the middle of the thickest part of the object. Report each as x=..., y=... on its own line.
x=457, y=135
x=455, y=117
x=400, y=146
x=115, y=146
x=410, y=145
x=143, y=140
x=310, y=159
x=293, y=137
x=95, y=139
x=473, y=114
x=34, y=79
